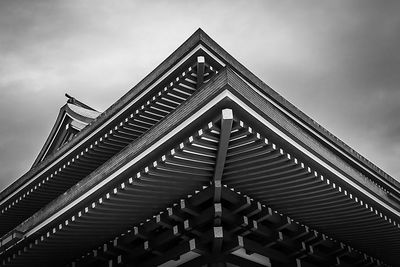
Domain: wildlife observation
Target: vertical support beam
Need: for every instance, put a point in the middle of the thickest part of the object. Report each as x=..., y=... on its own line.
x=200, y=71
x=217, y=214
x=217, y=191
x=120, y=261
x=218, y=239
x=226, y=128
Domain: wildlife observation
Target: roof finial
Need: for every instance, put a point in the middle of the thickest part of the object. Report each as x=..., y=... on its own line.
x=74, y=101
x=71, y=99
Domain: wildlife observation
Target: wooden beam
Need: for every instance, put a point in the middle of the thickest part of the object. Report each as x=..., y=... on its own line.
x=217, y=214
x=217, y=191
x=254, y=247
x=240, y=258
x=118, y=243
x=204, y=217
x=200, y=71
x=176, y=255
x=243, y=205
x=218, y=239
x=303, y=263
x=197, y=262
x=187, y=209
x=226, y=128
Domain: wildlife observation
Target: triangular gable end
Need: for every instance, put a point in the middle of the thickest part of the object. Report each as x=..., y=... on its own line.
x=71, y=119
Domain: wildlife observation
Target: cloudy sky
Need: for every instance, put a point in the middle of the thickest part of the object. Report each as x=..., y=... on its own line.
x=338, y=61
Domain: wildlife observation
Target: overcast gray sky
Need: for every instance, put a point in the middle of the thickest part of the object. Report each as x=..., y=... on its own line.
x=338, y=61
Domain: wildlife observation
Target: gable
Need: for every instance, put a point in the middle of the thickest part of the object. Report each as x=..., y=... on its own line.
x=71, y=119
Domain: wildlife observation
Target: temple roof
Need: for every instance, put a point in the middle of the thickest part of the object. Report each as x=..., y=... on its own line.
x=169, y=125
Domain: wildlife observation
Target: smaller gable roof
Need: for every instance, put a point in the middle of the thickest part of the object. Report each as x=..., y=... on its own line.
x=71, y=119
